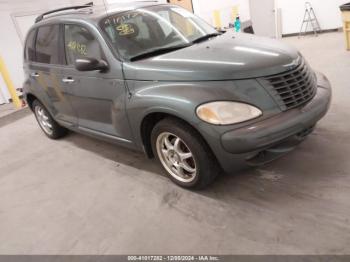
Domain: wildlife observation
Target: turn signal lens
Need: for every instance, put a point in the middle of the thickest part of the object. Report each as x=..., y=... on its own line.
x=227, y=113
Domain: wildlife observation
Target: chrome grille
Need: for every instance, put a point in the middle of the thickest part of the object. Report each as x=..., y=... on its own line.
x=293, y=88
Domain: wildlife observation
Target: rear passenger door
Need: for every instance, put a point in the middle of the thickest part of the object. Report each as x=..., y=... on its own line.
x=98, y=97
x=44, y=55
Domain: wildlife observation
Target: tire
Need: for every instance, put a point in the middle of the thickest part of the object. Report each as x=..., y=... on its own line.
x=49, y=126
x=184, y=155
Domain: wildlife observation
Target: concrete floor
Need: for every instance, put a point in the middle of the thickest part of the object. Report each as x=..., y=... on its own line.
x=7, y=109
x=83, y=196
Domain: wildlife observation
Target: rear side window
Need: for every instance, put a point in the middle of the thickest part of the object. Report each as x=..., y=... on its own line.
x=30, y=48
x=47, y=45
x=80, y=43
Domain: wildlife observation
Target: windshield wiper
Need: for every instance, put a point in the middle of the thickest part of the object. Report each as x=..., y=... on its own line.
x=158, y=52
x=205, y=37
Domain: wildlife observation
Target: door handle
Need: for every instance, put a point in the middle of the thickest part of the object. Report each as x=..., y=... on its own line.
x=35, y=74
x=68, y=80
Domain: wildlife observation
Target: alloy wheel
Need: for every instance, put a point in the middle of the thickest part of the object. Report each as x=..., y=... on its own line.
x=44, y=120
x=176, y=157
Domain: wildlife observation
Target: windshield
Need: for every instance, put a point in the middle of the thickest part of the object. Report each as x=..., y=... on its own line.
x=146, y=30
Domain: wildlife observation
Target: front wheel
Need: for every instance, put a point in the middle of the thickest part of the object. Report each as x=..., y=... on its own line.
x=183, y=153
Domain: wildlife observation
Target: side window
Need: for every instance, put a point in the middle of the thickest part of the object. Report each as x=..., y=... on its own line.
x=47, y=45
x=29, y=53
x=166, y=29
x=80, y=43
x=184, y=25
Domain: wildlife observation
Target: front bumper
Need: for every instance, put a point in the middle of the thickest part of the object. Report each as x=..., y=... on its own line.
x=276, y=135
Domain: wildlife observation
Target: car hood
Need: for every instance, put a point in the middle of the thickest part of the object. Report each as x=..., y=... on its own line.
x=226, y=57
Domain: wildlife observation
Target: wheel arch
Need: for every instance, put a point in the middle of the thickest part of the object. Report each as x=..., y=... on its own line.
x=151, y=119
x=30, y=99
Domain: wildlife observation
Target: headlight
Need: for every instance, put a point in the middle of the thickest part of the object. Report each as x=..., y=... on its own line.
x=227, y=113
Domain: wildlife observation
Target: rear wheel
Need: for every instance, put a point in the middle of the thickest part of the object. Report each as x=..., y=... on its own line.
x=184, y=155
x=50, y=127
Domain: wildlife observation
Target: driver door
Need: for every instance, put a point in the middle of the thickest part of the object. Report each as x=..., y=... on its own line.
x=97, y=97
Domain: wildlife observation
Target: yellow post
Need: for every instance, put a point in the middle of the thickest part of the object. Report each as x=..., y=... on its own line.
x=217, y=18
x=235, y=12
x=346, y=28
x=10, y=86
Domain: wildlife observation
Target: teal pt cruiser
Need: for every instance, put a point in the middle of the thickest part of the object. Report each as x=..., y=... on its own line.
x=156, y=78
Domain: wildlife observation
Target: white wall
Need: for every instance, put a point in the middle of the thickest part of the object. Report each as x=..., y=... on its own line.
x=327, y=12
x=3, y=92
x=22, y=13
x=11, y=47
x=205, y=9
x=126, y=1
x=10, y=51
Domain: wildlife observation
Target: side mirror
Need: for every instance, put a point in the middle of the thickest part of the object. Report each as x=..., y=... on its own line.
x=90, y=64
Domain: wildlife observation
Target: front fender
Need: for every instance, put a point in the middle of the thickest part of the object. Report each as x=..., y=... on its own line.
x=181, y=99
x=153, y=97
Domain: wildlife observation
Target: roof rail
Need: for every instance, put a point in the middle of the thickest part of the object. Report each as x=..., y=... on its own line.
x=41, y=17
